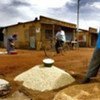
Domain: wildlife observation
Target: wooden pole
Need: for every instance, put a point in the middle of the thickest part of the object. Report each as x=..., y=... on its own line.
x=77, y=30
x=78, y=6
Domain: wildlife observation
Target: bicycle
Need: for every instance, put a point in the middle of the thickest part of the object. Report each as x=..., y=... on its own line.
x=48, y=47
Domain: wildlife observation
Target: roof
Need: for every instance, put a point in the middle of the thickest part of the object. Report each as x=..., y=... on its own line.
x=19, y=23
x=46, y=20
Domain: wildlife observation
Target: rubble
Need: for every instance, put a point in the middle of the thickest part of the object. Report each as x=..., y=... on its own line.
x=4, y=87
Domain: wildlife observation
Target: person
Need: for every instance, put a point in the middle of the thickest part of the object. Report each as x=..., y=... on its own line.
x=10, y=47
x=60, y=39
x=94, y=64
x=74, y=43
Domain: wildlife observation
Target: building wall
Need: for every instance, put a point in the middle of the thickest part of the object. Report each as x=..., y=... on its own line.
x=82, y=38
x=24, y=31
x=87, y=38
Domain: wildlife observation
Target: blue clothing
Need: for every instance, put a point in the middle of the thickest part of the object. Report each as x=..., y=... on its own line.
x=94, y=64
x=98, y=41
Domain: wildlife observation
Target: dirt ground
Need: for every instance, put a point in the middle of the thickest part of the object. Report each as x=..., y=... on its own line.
x=74, y=62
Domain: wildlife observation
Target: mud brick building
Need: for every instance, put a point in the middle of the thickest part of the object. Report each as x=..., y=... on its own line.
x=92, y=35
x=42, y=30
x=87, y=38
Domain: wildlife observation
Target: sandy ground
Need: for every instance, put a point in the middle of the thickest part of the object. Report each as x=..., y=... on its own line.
x=74, y=62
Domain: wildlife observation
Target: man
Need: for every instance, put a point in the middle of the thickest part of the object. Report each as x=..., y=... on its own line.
x=10, y=47
x=60, y=39
x=94, y=63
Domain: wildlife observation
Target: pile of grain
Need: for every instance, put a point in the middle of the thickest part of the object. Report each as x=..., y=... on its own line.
x=45, y=78
x=3, y=52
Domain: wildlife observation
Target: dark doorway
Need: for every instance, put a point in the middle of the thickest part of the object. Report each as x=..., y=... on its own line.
x=1, y=37
x=1, y=34
x=93, y=39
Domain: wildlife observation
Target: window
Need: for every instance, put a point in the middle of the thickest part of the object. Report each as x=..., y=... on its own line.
x=48, y=34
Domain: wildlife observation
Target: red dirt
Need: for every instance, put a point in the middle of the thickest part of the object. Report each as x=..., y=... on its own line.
x=74, y=61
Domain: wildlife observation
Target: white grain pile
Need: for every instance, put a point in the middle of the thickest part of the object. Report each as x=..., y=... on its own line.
x=45, y=78
x=3, y=52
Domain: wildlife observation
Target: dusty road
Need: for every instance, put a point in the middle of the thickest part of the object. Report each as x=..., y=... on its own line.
x=74, y=62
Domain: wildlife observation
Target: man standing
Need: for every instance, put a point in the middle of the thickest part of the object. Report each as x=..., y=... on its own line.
x=94, y=64
x=60, y=39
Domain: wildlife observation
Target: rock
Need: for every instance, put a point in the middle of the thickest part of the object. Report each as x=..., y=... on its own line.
x=81, y=94
x=96, y=89
x=4, y=87
x=63, y=96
